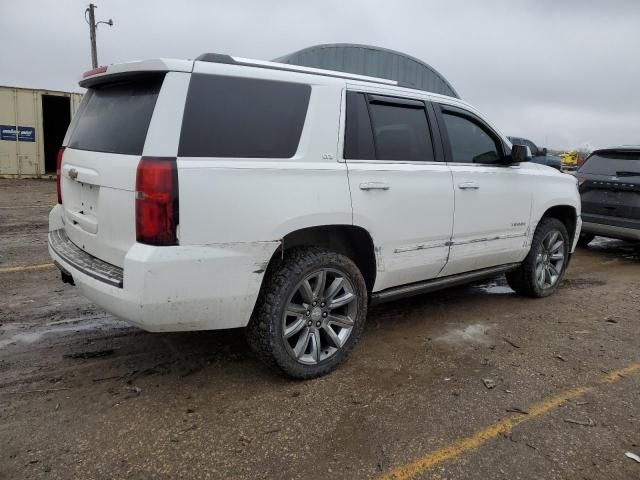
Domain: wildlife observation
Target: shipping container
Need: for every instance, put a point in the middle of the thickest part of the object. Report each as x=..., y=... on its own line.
x=33, y=123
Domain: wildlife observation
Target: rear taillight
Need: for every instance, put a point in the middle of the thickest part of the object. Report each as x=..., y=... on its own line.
x=157, y=201
x=59, y=172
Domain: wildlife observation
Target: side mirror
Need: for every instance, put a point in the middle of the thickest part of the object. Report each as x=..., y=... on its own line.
x=543, y=152
x=520, y=153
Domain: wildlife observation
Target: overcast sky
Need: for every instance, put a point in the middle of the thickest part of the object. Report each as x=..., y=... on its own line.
x=560, y=72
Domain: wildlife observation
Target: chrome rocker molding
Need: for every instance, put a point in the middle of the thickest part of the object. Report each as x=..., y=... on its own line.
x=419, y=288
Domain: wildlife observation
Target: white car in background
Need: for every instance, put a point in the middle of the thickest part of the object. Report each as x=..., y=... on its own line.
x=225, y=192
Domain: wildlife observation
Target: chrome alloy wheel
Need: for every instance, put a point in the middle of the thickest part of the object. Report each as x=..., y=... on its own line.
x=550, y=260
x=319, y=316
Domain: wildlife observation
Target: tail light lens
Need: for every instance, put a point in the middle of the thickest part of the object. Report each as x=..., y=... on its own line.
x=157, y=201
x=59, y=172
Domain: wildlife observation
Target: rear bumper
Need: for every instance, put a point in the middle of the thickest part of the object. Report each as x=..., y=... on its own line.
x=175, y=288
x=622, y=228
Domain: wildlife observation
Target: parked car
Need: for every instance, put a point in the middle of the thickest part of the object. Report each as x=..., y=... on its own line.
x=226, y=192
x=539, y=155
x=609, y=183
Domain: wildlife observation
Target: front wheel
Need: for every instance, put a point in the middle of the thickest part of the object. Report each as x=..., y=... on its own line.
x=310, y=313
x=542, y=270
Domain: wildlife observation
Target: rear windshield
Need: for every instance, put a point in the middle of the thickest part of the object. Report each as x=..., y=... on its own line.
x=242, y=117
x=619, y=164
x=115, y=117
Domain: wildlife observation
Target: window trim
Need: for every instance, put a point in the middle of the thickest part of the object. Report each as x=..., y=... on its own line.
x=405, y=102
x=395, y=101
x=441, y=109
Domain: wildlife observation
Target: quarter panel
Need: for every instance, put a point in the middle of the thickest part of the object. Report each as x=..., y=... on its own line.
x=244, y=200
x=258, y=201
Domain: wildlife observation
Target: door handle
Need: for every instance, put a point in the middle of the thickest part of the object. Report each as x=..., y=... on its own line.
x=374, y=186
x=468, y=186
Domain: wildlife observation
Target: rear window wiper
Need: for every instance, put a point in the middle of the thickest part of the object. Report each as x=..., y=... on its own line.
x=627, y=174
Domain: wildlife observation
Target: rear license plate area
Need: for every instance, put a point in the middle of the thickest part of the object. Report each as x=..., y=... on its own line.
x=89, y=199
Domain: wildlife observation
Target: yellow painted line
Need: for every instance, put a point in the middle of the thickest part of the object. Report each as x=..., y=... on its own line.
x=26, y=267
x=472, y=442
x=27, y=206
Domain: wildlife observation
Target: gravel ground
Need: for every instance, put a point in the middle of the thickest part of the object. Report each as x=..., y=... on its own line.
x=84, y=395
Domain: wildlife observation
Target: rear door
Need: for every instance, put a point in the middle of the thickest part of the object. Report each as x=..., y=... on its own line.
x=492, y=200
x=104, y=145
x=610, y=186
x=401, y=190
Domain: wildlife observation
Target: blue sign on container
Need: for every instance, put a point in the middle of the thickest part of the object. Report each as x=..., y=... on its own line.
x=25, y=134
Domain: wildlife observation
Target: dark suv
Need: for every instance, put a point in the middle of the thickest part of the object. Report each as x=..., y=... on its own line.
x=609, y=183
x=538, y=155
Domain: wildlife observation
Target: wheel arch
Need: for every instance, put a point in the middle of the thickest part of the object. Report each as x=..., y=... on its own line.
x=353, y=241
x=567, y=215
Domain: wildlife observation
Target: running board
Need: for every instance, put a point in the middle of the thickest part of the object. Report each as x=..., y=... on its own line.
x=419, y=288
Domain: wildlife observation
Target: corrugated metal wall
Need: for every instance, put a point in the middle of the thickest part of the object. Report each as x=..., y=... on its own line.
x=374, y=62
x=22, y=107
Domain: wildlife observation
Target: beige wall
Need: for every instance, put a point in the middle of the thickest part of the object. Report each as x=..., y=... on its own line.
x=23, y=107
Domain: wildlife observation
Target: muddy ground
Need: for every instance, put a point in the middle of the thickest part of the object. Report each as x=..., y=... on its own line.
x=83, y=395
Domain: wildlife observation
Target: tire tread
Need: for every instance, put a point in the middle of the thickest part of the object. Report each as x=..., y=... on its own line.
x=523, y=280
x=261, y=334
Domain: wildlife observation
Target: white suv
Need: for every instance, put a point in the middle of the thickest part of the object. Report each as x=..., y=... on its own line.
x=225, y=192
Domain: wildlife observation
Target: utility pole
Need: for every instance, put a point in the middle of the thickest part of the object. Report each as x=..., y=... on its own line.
x=93, y=26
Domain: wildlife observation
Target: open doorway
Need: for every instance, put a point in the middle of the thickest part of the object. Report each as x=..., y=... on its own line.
x=56, y=116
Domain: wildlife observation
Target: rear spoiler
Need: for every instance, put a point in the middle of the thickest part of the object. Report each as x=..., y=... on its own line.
x=111, y=72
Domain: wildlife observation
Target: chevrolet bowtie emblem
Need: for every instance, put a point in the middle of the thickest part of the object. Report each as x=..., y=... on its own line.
x=73, y=173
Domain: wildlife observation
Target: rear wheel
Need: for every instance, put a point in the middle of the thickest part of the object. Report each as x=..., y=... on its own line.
x=310, y=314
x=585, y=238
x=542, y=270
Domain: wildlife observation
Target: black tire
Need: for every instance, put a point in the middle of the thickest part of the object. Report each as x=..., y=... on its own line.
x=523, y=280
x=585, y=238
x=265, y=332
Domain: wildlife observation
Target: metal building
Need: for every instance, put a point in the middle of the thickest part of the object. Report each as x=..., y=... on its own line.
x=33, y=123
x=374, y=62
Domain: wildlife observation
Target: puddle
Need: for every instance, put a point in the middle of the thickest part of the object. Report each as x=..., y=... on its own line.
x=476, y=333
x=36, y=333
x=495, y=287
x=628, y=250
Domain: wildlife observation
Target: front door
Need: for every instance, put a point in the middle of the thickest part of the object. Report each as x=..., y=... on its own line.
x=492, y=199
x=399, y=192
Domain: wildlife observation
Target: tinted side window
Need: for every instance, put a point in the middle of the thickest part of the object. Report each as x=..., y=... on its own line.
x=401, y=132
x=470, y=143
x=358, y=136
x=242, y=117
x=116, y=116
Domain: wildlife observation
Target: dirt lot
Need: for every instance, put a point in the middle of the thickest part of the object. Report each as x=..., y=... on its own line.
x=83, y=395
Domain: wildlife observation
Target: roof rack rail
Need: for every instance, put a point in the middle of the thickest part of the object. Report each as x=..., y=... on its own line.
x=215, y=58
x=227, y=59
